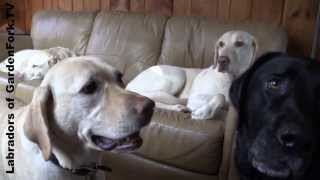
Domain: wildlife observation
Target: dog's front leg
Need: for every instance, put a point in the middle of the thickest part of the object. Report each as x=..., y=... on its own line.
x=175, y=107
x=209, y=110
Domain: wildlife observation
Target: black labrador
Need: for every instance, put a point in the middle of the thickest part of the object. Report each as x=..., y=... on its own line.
x=278, y=134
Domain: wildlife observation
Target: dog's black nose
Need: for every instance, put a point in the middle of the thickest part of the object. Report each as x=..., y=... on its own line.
x=288, y=139
x=144, y=108
x=223, y=60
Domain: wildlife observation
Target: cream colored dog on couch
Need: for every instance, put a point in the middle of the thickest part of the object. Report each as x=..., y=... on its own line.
x=79, y=110
x=30, y=64
x=201, y=91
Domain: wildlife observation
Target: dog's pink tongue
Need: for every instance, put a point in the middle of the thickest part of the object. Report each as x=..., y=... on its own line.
x=104, y=143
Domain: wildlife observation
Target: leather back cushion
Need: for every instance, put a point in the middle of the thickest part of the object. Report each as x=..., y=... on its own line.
x=59, y=28
x=130, y=42
x=190, y=41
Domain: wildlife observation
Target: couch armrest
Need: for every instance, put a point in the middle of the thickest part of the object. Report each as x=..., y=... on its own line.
x=20, y=42
x=228, y=144
x=175, y=139
x=23, y=92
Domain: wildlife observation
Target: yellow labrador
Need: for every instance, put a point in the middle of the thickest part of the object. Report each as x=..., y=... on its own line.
x=79, y=111
x=33, y=64
x=201, y=91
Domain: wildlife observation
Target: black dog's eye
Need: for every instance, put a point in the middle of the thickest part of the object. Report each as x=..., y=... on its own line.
x=221, y=44
x=238, y=44
x=90, y=88
x=273, y=84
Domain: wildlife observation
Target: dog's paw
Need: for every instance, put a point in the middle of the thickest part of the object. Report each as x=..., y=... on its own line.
x=202, y=113
x=182, y=108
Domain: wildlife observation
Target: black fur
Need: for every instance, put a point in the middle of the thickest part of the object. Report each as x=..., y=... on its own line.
x=278, y=101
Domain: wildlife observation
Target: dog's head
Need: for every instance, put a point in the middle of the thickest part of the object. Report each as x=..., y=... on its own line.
x=58, y=54
x=34, y=67
x=82, y=102
x=235, y=51
x=278, y=131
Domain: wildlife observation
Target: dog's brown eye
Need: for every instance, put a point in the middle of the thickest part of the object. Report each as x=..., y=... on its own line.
x=238, y=44
x=89, y=88
x=221, y=44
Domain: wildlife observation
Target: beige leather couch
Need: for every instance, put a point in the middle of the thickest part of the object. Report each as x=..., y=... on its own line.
x=175, y=147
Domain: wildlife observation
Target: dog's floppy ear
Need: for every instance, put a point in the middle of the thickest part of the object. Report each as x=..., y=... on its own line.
x=52, y=61
x=254, y=51
x=36, y=123
x=238, y=88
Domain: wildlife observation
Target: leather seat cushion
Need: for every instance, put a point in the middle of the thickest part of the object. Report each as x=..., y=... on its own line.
x=175, y=139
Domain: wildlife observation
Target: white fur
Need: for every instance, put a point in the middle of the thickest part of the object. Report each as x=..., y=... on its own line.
x=201, y=91
x=31, y=64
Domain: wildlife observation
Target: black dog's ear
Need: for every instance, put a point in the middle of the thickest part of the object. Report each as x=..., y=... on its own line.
x=238, y=87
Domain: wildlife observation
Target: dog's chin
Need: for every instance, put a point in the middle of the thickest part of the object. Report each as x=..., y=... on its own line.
x=272, y=173
x=126, y=144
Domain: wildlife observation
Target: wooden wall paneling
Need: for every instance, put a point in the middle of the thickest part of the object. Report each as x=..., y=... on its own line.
x=181, y=7
x=77, y=5
x=163, y=7
x=120, y=5
x=65, y=5
x=207, y=8
x=19, y=16
x=28, y=15
x=105, y=4
x=267, y=11
x=91, y=5
x=240, y=10
x=36, y=5
x=2, y=13
x=224, y=9
x=31, y=6
x=20, y=11
x=137, y=5
x=55, y=4
x=299, y=20
x=48, y=4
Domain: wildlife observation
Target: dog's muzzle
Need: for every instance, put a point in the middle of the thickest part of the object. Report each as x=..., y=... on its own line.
x=142, y=110
x=223, y=63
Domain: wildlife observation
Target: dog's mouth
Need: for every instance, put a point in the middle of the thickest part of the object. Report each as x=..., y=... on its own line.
x=126, y=144
x=280, y=173
x=223, y=67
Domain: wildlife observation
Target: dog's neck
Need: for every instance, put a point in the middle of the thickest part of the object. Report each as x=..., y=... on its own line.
x=84, y=170
x=75, y=158
x=72, y=159
x=230, y=72
x=73, y=155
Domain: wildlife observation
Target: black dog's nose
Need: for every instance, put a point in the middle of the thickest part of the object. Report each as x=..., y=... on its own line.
x=223, y=60
x=288, y=139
